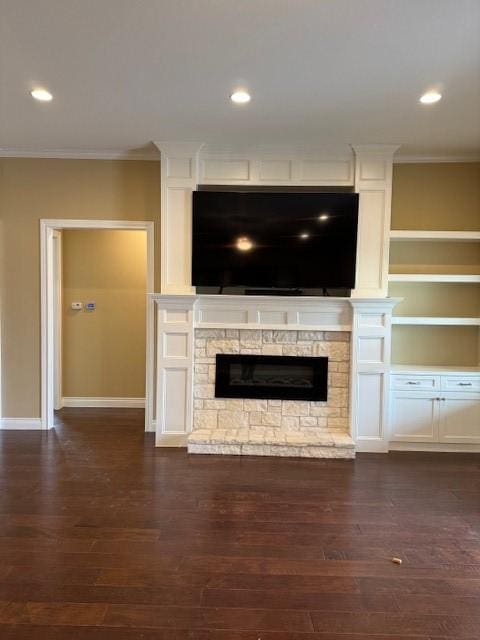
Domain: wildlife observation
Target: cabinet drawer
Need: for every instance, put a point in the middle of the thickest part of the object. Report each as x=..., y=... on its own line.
x=411, y=383
x=461, y=383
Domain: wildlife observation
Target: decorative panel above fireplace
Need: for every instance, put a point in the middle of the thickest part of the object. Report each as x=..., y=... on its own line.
x=275, y=377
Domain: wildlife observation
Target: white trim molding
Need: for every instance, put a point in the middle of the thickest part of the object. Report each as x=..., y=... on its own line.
x=311, y=313
x=151, y=154
x=418, y=159
x=439, y=447
x=110, y=403
x=47, y=228
x=23, y=424
x=81, y=154
x=276, y=165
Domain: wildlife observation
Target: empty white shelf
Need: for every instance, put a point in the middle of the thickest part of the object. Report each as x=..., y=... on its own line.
x=433, y=277
x=433, y=369
x=446, y=236
x=435, y=320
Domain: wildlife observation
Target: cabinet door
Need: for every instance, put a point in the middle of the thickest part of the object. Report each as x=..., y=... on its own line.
x=414, y=417
x=460, y=418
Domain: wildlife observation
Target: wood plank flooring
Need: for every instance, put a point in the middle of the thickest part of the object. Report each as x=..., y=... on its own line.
x=103, y=536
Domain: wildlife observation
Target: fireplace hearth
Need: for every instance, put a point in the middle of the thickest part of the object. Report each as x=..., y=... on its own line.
x=271, y=377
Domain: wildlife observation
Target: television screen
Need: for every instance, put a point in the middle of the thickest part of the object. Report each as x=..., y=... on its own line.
x=274, y=240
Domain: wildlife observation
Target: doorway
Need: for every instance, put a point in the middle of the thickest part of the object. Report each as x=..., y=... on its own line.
x=85, y=312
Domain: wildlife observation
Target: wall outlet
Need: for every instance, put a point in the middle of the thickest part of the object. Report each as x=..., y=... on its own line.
x=90, y=306
x=76, y=306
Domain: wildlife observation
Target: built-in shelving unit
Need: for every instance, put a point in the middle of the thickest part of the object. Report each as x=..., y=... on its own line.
x=435, y=268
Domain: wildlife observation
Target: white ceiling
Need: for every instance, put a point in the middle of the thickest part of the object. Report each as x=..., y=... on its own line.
x=321, y=72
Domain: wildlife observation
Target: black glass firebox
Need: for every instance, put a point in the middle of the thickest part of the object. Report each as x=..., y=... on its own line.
x=274, y=377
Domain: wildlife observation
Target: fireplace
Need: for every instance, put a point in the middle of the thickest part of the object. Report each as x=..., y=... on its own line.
x=271, y=377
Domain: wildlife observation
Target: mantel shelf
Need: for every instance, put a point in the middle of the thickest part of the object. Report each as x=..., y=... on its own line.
x=428, y=236
x=435, y=320
x=434, y=277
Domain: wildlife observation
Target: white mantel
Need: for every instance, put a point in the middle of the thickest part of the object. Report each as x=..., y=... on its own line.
x=368, y=320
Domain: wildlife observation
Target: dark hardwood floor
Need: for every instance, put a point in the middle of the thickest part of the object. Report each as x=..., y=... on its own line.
x=103, y=536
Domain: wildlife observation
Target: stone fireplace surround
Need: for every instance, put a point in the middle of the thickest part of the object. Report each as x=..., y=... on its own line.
x=271, y=427
x=354, y=333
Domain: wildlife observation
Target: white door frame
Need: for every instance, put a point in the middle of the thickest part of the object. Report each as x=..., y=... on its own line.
x=57, y=318
x=48, y=310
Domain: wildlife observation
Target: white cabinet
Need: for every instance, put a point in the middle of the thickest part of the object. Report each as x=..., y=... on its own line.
x=459, y=418
x=414, y=417
x=442, y=415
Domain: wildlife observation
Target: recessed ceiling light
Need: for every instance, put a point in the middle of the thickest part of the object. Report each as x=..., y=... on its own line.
x=243, y=243
x=240, y=97
x=41, y=94
x=323, y=217
x=430, y=97
x=304, y=236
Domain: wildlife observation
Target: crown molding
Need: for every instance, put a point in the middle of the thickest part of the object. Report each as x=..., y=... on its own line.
x=387, y=150
x=433, y=159
x=153, y=155
x=80, y=154
x=179, y=149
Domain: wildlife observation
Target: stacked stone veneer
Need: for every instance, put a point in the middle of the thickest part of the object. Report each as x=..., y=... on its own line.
x=219, y=421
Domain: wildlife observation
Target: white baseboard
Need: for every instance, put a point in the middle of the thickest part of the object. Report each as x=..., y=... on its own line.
x=152, y=427
x=108, y=403
x=21, y=423
x=440, y=447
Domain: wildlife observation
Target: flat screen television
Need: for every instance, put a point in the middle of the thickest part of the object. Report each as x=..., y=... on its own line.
x=274, y=240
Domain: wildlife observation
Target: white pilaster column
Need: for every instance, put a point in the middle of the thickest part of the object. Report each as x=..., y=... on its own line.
x=174, y=383
x=179, y=177
x=370, y=367
x=373, y=183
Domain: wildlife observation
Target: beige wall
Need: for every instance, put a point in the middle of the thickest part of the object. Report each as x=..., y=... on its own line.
x=449, y=345
x=31, y=189
x=440, y=195
x=104, y=349
x=444, y=195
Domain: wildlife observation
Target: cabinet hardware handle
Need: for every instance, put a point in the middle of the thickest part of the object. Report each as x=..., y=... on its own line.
x=464, y=384
x=410, y=382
